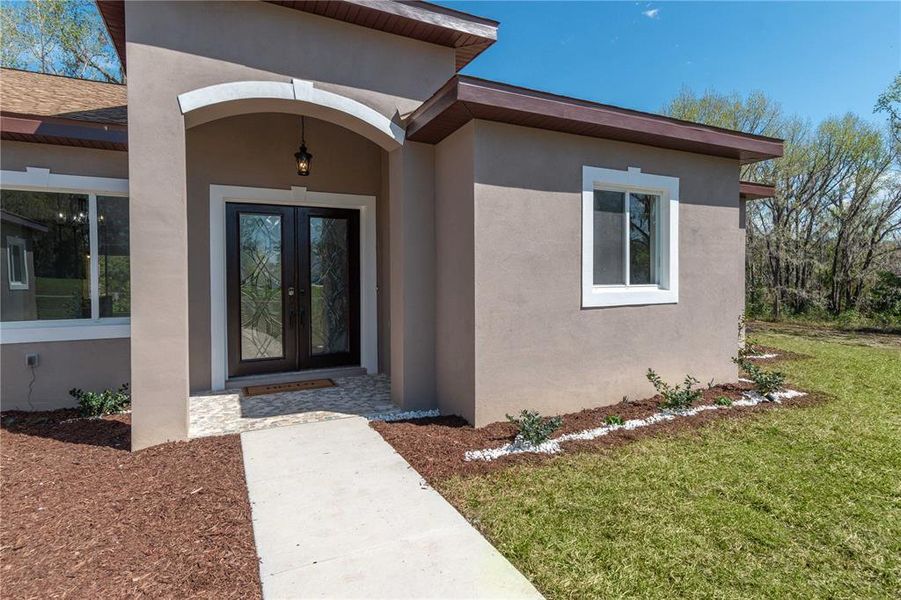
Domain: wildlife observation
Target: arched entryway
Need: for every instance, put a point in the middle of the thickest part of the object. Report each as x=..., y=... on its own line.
x=298, y=97
x=240, y=139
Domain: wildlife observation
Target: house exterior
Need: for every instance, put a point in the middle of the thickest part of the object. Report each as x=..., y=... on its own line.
x=492, y=248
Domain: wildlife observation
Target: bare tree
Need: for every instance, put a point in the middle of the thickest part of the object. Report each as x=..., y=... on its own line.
x=833, y=225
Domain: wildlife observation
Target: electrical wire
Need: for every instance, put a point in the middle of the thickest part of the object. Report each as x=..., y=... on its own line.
x=34, y=376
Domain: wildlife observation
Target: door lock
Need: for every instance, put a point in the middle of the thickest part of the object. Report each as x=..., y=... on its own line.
x=290, y=291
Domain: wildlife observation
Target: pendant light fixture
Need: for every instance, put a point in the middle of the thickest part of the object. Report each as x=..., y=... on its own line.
x=304, y=159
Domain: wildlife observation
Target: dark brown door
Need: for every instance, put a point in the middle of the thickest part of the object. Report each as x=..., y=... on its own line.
x=293, y=288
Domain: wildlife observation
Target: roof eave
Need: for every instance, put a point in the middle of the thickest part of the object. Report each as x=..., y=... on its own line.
x=112, y=12
x=468, y=34
x=63, y=132
x=465, y=98
x=750, y=190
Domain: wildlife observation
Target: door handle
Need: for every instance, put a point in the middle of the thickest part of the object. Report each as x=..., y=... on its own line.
x=291, y=307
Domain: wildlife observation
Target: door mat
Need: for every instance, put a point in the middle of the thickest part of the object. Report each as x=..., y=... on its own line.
x=294, y=386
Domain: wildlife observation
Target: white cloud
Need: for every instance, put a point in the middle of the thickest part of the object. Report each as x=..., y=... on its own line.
x=651, y=13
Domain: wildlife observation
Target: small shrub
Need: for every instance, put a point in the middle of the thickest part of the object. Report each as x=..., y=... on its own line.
x=765, y=382
x=97, y=404
x=677, y=397
x=613, y=420
x=533, y=428
x=746, y=347
x=723, y=401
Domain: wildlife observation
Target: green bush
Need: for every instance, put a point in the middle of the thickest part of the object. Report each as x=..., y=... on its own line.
x=765, y=382
x=97, y=404
x=533, y=428
x=613, y=420
x=723, y=401
x=677, y=397
x=884, y=299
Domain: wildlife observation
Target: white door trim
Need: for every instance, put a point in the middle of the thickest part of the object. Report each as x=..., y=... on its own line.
x=295, y=196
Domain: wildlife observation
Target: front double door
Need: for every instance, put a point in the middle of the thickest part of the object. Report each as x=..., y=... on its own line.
x=293, y=288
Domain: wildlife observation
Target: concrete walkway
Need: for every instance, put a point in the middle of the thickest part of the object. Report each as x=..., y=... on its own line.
x=337, y=513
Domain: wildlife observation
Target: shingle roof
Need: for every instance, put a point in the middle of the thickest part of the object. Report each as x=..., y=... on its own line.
x=27, y=93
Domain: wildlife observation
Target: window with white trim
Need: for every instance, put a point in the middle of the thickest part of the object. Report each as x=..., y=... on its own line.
x=630, y=226
x=67, y=258
x=63, y=232
x=16, y=263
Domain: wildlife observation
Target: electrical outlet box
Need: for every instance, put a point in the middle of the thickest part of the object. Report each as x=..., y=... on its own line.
x=31, y=359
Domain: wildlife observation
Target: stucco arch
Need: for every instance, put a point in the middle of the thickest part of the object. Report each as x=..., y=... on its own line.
x=298, y=97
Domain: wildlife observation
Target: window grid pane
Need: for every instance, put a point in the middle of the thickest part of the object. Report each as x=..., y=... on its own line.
x=113, y=265
x=55, y=231
x=609, y=238
x=643, y=239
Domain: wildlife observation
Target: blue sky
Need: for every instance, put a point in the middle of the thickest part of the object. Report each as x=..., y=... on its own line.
x=815, y=58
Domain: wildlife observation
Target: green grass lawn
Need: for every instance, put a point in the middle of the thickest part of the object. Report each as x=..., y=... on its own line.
x=793, y=503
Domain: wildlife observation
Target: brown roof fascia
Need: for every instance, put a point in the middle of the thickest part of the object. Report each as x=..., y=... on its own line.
x=468, y=34
x=441, y=115
x=63, y=132
x=750, y=190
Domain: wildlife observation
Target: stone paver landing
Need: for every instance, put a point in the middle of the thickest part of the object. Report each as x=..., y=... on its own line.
x=218, y=413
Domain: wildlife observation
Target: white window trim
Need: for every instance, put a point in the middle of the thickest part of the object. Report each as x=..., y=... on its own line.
x=38, y=179
x=632, y=180
x=13, y=240
x=295, y=196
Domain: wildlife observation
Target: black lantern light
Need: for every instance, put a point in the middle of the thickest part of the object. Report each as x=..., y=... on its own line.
x=304, y=159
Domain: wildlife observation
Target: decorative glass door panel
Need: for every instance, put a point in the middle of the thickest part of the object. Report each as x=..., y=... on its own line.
x=260, y=279
x=293, y=288
x=331, y=275
x=329, y=286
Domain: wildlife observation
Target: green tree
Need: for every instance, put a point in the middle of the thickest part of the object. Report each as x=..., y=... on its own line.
x=61, y=37
x=889, y=102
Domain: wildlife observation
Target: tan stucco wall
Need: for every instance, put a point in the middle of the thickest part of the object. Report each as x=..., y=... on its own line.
x=68, y=160
x=196, y=44
x=175, y=47
x=258, y=151
x=92, y=365
x=87, y=364
x=535, y=347
x=455, y=351
x=411, y=172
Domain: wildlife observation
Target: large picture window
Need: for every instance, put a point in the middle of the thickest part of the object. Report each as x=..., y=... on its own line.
x=57, y=248
x=630, y=238
x=65, y=257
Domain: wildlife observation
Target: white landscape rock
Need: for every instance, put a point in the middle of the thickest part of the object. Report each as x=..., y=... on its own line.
x=517, y=446
x=762, y=356
x=406, y=415
x=553, y=446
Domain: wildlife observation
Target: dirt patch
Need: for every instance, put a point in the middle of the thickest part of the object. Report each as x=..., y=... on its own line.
x=435, y=447
x=85, y=518
x=781, y=355
x=889, y=338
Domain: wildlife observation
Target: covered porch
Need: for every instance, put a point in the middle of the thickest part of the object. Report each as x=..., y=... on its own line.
x=288, y=273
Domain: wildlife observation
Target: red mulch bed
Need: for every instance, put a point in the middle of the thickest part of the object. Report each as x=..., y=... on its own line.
x=435, y=446
x=82, y=517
